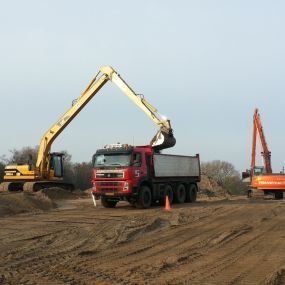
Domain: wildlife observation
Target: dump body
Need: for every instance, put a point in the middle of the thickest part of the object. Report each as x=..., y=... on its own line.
x=121, y=172
x=176, y=166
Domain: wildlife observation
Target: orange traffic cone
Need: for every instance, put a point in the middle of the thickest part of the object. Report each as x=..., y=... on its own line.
x=167, y=204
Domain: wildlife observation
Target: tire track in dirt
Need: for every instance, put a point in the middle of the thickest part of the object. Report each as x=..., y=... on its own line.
x=143, y=269
x=196, y=245
x=182, y=257
x=209, y=271
x=61, y=250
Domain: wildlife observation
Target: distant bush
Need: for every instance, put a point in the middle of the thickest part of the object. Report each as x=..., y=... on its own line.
x=22, y=156
x=82, y=175
x=226, y=176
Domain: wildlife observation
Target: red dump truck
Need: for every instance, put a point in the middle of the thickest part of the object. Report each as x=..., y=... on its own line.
x=142, y=177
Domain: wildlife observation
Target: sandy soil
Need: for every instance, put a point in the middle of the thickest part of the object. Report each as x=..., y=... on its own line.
x=210, y=242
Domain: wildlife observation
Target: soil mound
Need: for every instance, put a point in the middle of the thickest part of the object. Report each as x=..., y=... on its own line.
x=136, y=229
x=56, y=193
x=17, y=203
x=24, y=202
x=210, y=188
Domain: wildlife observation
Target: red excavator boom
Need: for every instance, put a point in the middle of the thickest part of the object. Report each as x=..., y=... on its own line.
x=257, y=128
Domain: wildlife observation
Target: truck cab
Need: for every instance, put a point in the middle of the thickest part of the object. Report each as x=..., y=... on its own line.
x=141, y=176
x=118, y=170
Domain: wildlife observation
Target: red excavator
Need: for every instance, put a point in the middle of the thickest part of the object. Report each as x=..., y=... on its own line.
x=261, y=177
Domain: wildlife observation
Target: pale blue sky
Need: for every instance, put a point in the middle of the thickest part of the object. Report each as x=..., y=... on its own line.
x=204, y=64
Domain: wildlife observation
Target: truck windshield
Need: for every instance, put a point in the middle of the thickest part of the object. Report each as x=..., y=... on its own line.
x=112, y=160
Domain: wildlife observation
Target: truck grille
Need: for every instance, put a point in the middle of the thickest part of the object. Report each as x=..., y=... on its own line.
x=109, y=186
x=109, y=189
x=108, y=183
x=110, y=175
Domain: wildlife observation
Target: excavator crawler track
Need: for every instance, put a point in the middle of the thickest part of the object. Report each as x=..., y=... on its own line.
x=11, y=186
x=39, y=185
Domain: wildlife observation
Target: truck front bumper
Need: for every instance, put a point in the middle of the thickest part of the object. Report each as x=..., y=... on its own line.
x=116, y=196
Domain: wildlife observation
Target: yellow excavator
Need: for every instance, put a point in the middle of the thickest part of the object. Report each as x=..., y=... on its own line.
x=48, y=171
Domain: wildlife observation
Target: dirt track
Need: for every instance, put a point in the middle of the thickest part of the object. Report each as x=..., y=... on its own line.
x=222, y=242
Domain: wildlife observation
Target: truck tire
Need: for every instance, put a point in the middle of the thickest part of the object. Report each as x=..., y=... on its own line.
x=107, y=203
x=180, y=194
x=144, y=198
x=191, y=194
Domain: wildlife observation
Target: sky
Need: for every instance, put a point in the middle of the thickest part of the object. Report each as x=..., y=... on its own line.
x=205, y=64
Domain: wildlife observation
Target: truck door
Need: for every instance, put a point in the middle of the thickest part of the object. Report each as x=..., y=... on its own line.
x=138, y=169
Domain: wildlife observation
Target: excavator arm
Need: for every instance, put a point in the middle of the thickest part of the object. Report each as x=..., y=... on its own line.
x=163, y=139
x=258, y=129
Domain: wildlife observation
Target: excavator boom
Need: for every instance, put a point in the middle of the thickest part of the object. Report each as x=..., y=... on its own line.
x=49, y=165
x=164, y=137
x=94, y=86
x=266, y=154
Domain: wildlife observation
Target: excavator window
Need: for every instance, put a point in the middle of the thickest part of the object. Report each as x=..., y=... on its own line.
x=57, y=165
x=258, y=170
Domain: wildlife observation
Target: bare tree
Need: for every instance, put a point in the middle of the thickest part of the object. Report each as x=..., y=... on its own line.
x=2, y=167
x=24, y=155
x=219, y=170
x=225, y=174
x=82, y=174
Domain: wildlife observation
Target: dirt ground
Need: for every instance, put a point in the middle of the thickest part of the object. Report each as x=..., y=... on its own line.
x=215, y=241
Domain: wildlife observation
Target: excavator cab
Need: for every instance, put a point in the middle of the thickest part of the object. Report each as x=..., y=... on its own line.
x=258, y=170
x=57, y=164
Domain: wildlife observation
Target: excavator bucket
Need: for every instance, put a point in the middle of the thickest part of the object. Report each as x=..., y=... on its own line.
x=163, y=139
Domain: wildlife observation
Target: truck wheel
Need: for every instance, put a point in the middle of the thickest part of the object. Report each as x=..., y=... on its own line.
x=168, y=192
x=144, y=198
x=278, y=195
x=180, y=194
x=191, y=194
x=107, y=203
